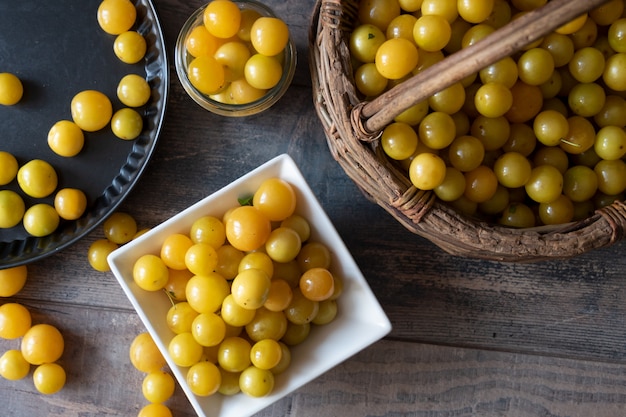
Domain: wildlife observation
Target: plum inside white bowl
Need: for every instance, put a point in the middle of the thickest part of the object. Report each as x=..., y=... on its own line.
x=360, y=320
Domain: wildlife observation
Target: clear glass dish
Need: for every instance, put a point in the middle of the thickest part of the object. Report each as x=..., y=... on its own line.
x=183, y=58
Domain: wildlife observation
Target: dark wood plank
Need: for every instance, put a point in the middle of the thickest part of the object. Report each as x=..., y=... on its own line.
x=424, y=380
x=567, y=308
x=389, y=378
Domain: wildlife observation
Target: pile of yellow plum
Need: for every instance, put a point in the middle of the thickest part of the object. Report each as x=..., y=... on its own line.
x=245, y=287
x=536, y=138
x=40, y=345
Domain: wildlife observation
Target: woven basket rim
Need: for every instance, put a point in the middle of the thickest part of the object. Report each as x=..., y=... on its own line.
x=336, y=102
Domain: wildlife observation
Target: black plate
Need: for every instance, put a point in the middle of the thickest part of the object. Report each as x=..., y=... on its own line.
x=57, y=49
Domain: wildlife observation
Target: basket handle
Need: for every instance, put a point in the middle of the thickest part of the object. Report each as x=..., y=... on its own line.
x=373, y=116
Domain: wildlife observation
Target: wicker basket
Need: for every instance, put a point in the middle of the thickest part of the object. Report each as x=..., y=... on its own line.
x=353, y=126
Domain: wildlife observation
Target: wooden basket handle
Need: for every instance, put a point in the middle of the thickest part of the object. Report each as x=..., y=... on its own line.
x=375, y=115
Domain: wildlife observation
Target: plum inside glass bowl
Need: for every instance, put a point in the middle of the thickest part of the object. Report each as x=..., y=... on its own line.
x=234, y=97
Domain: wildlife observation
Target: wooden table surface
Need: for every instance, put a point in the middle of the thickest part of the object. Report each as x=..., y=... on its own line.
x=469, y=337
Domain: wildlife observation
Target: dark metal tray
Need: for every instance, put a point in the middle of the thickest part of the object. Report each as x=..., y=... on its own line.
x=58, y=49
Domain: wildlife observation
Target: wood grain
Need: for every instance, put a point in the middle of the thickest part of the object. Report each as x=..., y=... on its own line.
x=390, y=378
x=469, y=337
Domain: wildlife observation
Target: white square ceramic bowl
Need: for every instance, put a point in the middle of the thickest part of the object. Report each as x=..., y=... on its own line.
x=360, y=321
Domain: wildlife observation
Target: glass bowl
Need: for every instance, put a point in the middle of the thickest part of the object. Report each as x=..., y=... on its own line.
x=183, y=58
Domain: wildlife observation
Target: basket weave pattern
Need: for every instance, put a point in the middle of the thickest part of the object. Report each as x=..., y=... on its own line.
x=359, y=154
